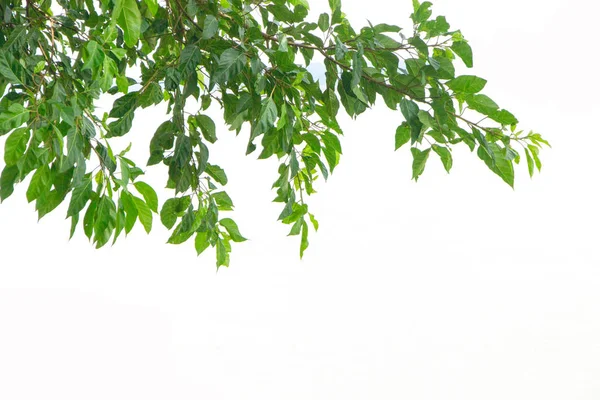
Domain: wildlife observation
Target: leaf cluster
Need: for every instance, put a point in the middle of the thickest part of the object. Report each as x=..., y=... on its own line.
x=249, y=59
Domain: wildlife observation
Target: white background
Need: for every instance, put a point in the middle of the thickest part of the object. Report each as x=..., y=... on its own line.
x=456, y=287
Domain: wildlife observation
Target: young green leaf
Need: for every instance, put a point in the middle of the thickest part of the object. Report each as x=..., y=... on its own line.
x=148, y=193
x=445, y=156
x=232, y=229
x=419, y=161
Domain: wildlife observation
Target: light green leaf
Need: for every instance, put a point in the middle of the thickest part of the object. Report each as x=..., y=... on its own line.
x=148, y=193
x=534, y=153
x=482, y=103
x=201, y=242
x=223, y=201
x=222, y=255
x=128, y=17
x=304, y=239
x=144, y=213
x=422, y=13
x=530, y=165
x=504, y=117
x=467, y=84
x=172, y=209
x=40, y=183
x=152, y=6
x=463, y=50
x=445, y=156
x=232, y=229
x=419, y=161
x=94, y=56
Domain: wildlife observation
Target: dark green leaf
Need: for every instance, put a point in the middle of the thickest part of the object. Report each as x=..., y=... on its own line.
x=217, y=173
x=80, y=196
x=230, y=65
x=211, y=26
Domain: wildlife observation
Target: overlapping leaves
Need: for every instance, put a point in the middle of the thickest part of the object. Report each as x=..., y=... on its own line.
x=248, y=59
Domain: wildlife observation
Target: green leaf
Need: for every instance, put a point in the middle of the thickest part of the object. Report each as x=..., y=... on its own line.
x=106, y=158
x=80, y=196
x=534, y=153
x=230, y=65
x=94, y=56
x=172, y=209
x=144, y=213
x=504, y=117
x=128, y=17
x=10, y=68
x=217, y=173
x=530, y=165
x=268, y=114
x=89, y=217
x=410, y=110
x=304, y=239
x=152, y=6
x=498, y=164
x=222, y=253
x=40, y=183
x=14, y=117
x=314, y=221
x=15, y=146
x=201, y=242
x=463, y=50
x=183, y=152
x=211, y=26
x=419, y=161
x=148, y=193
x=207, y=126
x=189, y=59
x=335, y=4
x=232, y=229
x=223, y=201
x=467, y=84
x=8, y=178
x=422, y=13
x=481, y=103
x=445, y=156
x=324, y=22
x=105, y=221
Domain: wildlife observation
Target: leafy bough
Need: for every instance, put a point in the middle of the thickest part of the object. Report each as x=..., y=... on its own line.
x=249, y=59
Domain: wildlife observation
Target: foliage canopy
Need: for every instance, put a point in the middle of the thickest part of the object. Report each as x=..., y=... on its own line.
x=250, y=59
